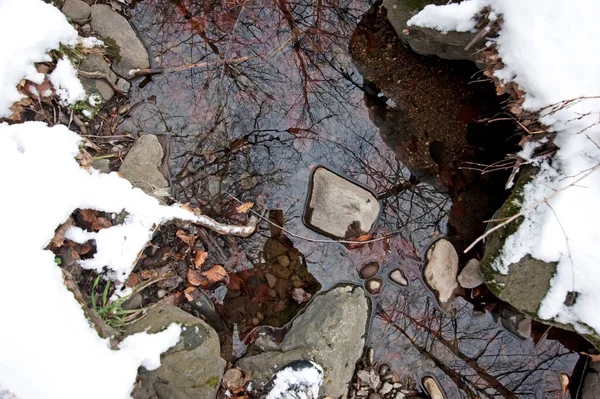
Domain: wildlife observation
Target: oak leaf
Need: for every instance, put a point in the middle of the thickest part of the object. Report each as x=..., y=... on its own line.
x=244, y=208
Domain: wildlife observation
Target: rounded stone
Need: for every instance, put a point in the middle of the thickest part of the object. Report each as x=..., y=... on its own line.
x=77, y=11
x=374, y=286
x=397, y=277
x=369, y=270
x=470, y=277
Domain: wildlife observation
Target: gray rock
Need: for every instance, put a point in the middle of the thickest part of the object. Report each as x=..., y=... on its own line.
x=133, y=302
x=108, y=23
x=515, y=322
x=441, y=269
x=330, y=332
x=591, y=384
x=470, y=276
x=193, y=368
x=77, y=11
x=426, y=41
x=338, y=207
x=103, y=165
x=141, y=166
x=96, y=63
x=123, y=85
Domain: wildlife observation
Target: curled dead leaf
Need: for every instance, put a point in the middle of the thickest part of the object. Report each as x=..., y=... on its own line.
x=200, y=258
x=189, y=239
x=215, y=274
x=244, y=208
x=191, y=293
x=59, y=236
x=195, y=278
x=360, y=239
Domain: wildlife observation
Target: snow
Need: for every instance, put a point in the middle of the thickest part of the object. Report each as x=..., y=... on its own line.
x=300, y=381
x=458, y=17
x=549, y=48
x=46, y=27
x=65, y=82
x=90, y=42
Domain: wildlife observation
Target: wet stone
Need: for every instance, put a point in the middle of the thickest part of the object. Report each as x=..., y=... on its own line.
x=96, y=63
x=338, y=207
x=133, y=302
x=77, y=11
x=109, y=23
x=470, y=277
x=271, y=280
x=369, y=270
x=141, y=165
x=432, y=388
x=397, y=277
x=374, y=286
x=441, y=269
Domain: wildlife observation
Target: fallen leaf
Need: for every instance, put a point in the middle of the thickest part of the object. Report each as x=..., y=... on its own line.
x=215, y=274
x=189, y=239
x=244, y=208
x=235, y=282
x=132, y=280
x=148, y=274
x=362, y=238
x=191, y=293
x=59, y=236
x=195, y=278
x=300, y=296
x=200, y=258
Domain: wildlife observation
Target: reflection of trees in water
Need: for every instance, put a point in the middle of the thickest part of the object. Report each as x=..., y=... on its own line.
x=481, y=359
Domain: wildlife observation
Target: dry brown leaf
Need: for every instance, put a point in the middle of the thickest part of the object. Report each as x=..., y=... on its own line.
x=195, y=278
x=244, y=208
x=362, y=238
x=191, y=293
x=200, y=258
x=189, y=239
x=215, y=274
x=59, y=236
x=132, y=280
x=235, y=282
x=148, y=274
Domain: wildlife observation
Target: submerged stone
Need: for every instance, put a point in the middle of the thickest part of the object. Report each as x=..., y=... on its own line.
x=441, y=269
x=339, y=208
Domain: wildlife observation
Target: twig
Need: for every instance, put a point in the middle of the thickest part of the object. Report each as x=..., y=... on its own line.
x=156, y=71
x=480, y=35
x=79, y=123
x=103, y=76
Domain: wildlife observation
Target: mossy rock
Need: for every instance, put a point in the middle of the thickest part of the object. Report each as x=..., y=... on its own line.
x=528, y=280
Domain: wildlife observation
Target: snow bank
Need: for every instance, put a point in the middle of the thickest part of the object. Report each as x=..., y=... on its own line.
x=549, y=47
x=28, y=29
x=47, y=346
x=457, y=17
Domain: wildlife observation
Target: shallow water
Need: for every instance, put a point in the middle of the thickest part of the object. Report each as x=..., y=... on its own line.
x=268, y=92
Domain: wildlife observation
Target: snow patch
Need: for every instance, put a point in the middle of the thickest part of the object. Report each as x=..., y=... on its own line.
x=452, y=17
x=66, y=83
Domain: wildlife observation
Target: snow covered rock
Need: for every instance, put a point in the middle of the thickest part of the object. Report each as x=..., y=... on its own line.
x=427, y=41
x=109, y=23
x=300, y=379
x=95, y=63
x=330, y=332
x=441, y=270
x=193, y=368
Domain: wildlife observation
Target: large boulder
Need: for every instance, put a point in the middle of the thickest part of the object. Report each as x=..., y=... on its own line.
x=330, y=332
x=142, y=165
x=426, y=41
x=339, y=208
x=110, y=24
x=191, y=369
x=527, y=281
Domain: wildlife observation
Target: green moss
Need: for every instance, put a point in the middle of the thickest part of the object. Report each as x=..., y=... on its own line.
x=113, y=51
x=213, y=381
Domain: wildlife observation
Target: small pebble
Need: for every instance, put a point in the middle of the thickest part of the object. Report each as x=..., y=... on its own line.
x=161, y=293
x=375, y=395
x=397, y=277
x=386, y=388
x=255, y=321
x=362, y=394
x=432, y=388
x=400, y=395
x=397, y=385
x=384, y=368
x=374, y=286
x=369, y=270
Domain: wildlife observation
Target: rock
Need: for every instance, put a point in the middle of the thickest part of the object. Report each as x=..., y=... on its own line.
x=386, y=388
x=591, y=384
x=339, y=208
x=369, y=270
x=432, y=388
x=470, y=277
x=77, y=11
x=233, y=379
x=441, y=269
x=110, y=24
x=329, y=332
x=298, y=380
x=141, y=165
x=271, y=280
x=397, y=277
x=133, y=302
x=426, y=41
x=191, y=369
x=283, y=260
x=374, y=286
x=96, y=63
x=86, y=30
x=515, y=322
x=103, y=165
x=123, y=85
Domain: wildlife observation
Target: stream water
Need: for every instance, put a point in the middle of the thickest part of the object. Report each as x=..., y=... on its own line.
x=269, y=92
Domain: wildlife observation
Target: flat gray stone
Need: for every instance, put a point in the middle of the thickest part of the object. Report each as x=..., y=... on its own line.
x=330, y=332
x=339, y=208
x=103, y=165
x=96, y=63
x=441, y=269
x=193, y=368
x=77, y=11
x=470, y=277
x=109, y=23
x=141, y=166
x=591, y=385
